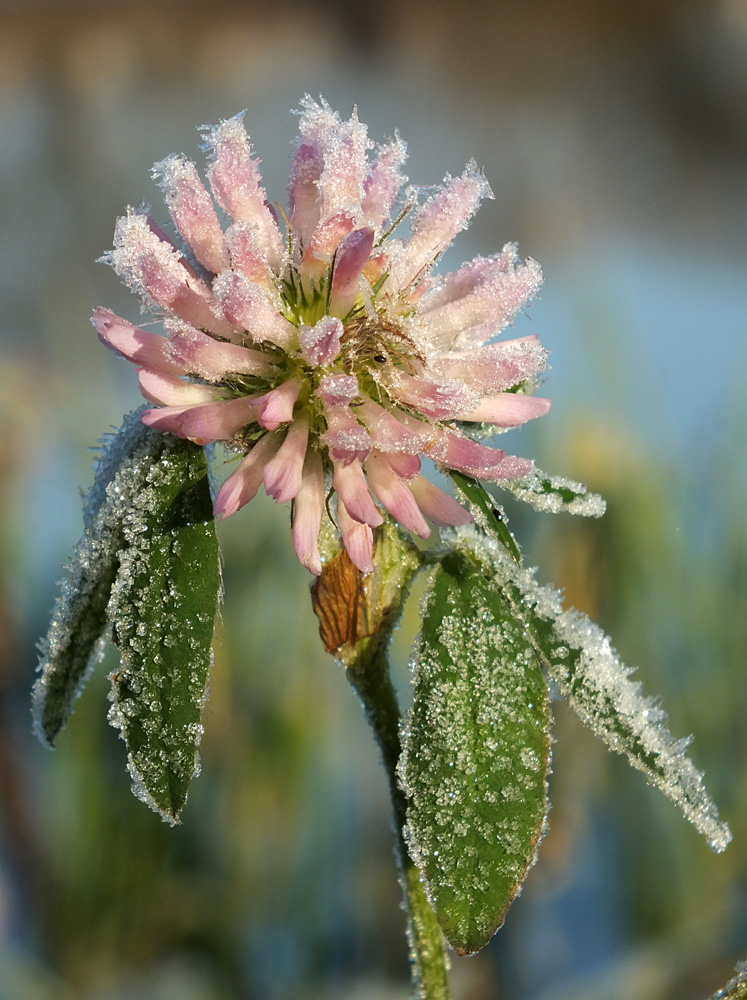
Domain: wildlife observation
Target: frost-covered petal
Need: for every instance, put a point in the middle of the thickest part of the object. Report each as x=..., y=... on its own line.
x=508, y=410
x=156, y=270
x=394, y=494
x=383, y=182
x=139, y=346
x=218, y=421
x=303, y=194
x=442, y=399
x=246, y=255
x=247, y=305
x=161, y=387
x=387, y=432
x=195, y=352
x=475, y=303
x=320, y=249
x=337, y=390
x=481, y=461
x=307, y=514
x=350, y=259
x=283, y=474
x=242, y=485
x=357, y=539
x=320, y=343
x=346, y=439
x=494, y=367
x=276, y=406
x=438, y=506
x=235, y=181
x=192, y=210
x=444, y=215
x=350, y=485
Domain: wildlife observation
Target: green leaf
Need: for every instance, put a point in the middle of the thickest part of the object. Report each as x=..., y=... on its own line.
x=476, y=752
x=555, y=494
x=736, y=988
x=579, y=657
x=485, y=512
x=162, y=609
x=73, y=644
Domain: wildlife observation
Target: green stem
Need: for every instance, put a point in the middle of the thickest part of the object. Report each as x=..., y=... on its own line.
x=369, y=676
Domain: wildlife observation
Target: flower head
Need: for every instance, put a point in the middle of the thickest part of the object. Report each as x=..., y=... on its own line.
x=329, y=354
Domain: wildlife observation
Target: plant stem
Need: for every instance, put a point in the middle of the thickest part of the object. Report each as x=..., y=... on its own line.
x=369, y=675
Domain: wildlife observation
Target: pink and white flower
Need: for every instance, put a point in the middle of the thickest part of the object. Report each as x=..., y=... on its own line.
x=328, y=353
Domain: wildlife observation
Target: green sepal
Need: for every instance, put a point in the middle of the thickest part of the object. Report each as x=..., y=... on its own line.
x=554, y=494
x=476, y=752
x=162, y=608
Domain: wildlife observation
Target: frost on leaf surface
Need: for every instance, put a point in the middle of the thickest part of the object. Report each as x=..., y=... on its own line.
x=162, y=609
x=597, y=685
x=476, y=753
x=736, y=988
x=554, y=494
x=73, y=643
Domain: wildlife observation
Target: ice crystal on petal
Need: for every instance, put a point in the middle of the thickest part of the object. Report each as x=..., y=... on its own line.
x=332, y=346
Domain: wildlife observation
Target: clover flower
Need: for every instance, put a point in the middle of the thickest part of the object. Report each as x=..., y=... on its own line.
x=330, y=357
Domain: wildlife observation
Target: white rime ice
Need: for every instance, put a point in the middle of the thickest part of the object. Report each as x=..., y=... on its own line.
x=553, y=494
x=74, y=644
x=579, y=657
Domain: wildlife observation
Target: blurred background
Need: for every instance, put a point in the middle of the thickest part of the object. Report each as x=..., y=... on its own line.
x=614, y=135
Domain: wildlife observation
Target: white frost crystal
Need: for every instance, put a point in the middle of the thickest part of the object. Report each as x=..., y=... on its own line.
x=579, y=657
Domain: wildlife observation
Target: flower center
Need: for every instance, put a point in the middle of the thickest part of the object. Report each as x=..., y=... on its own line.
x=374, y=341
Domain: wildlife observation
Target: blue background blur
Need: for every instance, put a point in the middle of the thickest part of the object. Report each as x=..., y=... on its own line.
x=614, y=135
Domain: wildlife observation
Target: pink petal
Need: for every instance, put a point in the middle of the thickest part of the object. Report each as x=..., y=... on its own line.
x=470, y=456
x=345, y=167
x=346, y=439
x=242, y=485
x=160, y=387
x=441, y=399
x=307, y=514
x=337, y=390
x=350, y=259
x=236, y=184
x=438, y=506
x=394, y=495
x=167, y=419
x=320, y=249
x=218, y=421
x=156, y=270
x=303, y=194
x=192, y=210
x=350, y=485
x=406, y=466
x=283, y=474
x=443, y=216
x=146, y=349
x=510, y=468
x=246, y=254
x=276, y=406
x=387, y=432
x=320, y=344
x=383, y=183
x=247, y=305
x=192, y=351
x=508, y=410
x=357, y=539
x=478, y=301
x=494, y=367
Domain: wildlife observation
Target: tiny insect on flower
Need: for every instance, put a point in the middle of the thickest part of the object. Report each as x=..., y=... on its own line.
x=331, y=357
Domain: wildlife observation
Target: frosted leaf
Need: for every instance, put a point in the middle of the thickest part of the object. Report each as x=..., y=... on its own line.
x=73, y=644
x=162, y=608
x=736, y=988
x=554, y=494
x=579, y=658
x=476, y=753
